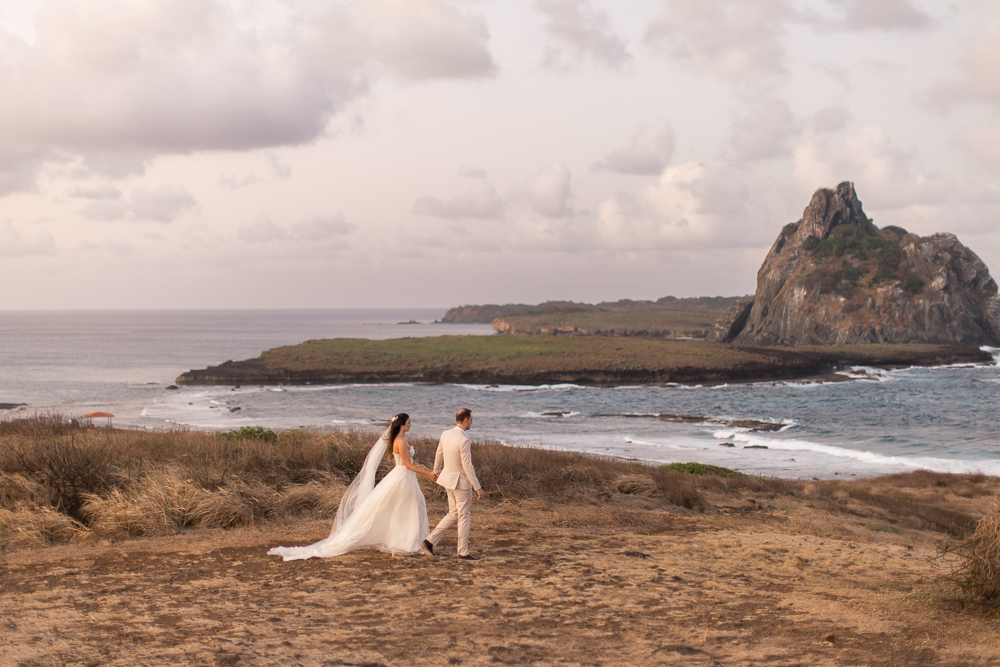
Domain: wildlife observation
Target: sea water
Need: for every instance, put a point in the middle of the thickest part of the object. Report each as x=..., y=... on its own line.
x=124, y=362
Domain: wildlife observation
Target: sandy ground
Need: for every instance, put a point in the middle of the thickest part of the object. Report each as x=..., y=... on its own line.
x=621, y=584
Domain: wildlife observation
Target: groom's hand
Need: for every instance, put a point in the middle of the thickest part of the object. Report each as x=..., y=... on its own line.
x=479, y=494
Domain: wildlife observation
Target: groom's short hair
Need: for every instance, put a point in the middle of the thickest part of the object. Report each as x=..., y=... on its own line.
x=462, y=415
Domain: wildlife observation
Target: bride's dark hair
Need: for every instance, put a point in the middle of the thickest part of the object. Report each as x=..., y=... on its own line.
x=395, y=424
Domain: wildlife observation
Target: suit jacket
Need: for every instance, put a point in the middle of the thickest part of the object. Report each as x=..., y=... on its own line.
x=453, y=461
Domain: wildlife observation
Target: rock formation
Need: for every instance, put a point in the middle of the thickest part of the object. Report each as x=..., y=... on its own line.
x=833, y=277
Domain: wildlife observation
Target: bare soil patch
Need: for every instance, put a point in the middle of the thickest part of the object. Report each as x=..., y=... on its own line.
x=781, y=580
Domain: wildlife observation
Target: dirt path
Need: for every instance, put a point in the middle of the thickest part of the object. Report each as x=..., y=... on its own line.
x=562, y=586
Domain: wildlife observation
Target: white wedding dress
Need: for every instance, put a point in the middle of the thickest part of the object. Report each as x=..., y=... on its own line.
x=391, y=516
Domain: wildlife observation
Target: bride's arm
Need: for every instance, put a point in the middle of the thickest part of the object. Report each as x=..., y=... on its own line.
x=402, y=448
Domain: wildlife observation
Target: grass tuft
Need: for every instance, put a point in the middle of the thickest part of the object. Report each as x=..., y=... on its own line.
x=978, y=566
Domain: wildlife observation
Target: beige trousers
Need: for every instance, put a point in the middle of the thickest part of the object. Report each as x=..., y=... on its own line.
x=460, y=510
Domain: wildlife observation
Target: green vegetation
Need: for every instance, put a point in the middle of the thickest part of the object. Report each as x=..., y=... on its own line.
x=665, y=322
x=915, y=285
x=861, y=255
x=704, y=469
x=251, y=433
x=546, y=359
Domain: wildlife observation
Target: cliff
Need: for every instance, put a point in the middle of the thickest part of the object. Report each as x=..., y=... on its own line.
x=833, y=278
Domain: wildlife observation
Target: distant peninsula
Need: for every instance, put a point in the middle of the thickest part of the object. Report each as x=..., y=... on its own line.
x=668, y=317
x=546, y=359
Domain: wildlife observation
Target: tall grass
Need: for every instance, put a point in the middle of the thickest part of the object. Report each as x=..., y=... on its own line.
x=59, y=482
x=977, y=568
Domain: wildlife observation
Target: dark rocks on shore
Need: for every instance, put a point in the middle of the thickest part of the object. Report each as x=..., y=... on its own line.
x=833, y=278
x=12, y=406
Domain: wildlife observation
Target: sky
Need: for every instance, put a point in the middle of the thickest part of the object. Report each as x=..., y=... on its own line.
x=431, y=153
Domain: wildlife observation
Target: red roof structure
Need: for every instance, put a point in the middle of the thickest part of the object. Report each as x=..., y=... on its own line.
x=92, y=415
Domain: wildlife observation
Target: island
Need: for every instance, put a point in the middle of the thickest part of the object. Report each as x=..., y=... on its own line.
x=547, y=359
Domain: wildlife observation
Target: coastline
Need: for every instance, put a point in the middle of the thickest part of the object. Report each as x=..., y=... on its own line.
x=548, y=360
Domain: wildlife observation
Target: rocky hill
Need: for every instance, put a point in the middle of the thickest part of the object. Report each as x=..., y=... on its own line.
x=833, y=277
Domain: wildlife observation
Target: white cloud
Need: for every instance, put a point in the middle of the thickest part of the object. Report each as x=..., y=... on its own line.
x=121, y=81
x=765, y=132
x=312, y=230
x=732, y=39
x=19, y=166
x=100, y=192
x=14, y=244
x=322, y=227
x=276, y=170
x=579, y=31
x=549, y=191
x=428, y=39
x=478, y=200
x=689, y=207
x=982, y=63
x=648, y=152
x=880, y=15
x=981, y=142
x=163, y=204
x=262, y=230
x=830, y=119
x=885, y=176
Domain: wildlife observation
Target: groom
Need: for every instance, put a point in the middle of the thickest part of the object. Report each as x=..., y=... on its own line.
x=453, y=466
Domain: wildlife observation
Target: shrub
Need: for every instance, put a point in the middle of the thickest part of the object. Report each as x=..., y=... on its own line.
x=251, y=433
x=704, y=469
x=915, y=285
x=978, y=566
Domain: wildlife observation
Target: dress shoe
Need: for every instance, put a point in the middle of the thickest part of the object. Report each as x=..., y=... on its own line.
x=428, y=548
x=469, y=558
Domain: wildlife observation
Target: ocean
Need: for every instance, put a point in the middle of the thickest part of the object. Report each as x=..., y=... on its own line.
x=124, y=362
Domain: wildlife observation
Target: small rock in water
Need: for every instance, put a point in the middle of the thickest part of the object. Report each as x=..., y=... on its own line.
x=726, y=444
x=755, y=447
x=236, y=409
x=173, y=387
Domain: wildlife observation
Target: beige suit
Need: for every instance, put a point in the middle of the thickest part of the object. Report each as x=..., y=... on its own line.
x=453, y=466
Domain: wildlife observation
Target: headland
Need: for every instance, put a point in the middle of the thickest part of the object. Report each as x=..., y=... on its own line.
x=541, y=359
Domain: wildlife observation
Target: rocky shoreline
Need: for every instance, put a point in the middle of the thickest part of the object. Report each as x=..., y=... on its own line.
x=744, y=364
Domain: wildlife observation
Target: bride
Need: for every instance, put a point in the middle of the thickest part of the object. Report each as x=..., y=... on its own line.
x=391, y=516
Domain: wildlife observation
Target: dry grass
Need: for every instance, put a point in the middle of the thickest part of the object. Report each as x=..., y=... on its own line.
x=978, y=566
x=60, y=483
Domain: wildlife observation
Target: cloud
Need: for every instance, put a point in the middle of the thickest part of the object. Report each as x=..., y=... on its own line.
x=14, y=244
x=579, y=31
x=880, y=15
x=731, y=39
x=549, y=191
x=163, y=204
x=19, y=166
x=889, y=177
x=830, y=119
x=121, y=81
x=979, y=80
x=691, y=206
x=981, y=143
x=276, y=170
x=982, y=63
x=321, y=228
x=765, y=132
x=262, y=230
x=428, y=39
x=311, y=230
x=100, y=192
x=478, y=201
x=648, y=152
